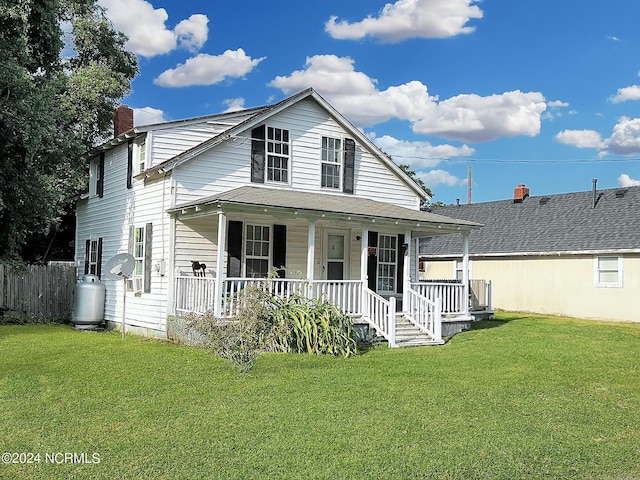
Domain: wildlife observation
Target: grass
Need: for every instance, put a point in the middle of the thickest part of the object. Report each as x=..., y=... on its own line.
x=520, y=397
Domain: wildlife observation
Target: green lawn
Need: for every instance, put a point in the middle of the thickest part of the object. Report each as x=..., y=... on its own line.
x=521, y=397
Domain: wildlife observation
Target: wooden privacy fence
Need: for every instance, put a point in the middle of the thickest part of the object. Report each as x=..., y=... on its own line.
x=44, y=291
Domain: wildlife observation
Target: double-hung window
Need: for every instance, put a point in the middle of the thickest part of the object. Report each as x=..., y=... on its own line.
x=140, y=156
x=331, y=169
x=608, y=271
x=138, y=255
x=257, y=239
x=387, y=262
x=277, y=155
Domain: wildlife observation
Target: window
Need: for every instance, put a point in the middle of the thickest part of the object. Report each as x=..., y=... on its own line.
x=94, y=177
x=140, y=156
x=138, y=254
x=387, y=259
x=277, y=155
x=257, y=239
x=331, y=162
x=608, y=271
x=93, y=257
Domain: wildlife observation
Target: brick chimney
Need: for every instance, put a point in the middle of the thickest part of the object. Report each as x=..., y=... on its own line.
x=122, y=120
x=520, y=193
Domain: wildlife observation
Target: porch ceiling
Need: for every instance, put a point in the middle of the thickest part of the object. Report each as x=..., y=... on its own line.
x=323, y=205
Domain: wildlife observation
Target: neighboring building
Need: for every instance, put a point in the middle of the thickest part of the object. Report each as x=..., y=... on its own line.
x=208, y=205
x=573, y=254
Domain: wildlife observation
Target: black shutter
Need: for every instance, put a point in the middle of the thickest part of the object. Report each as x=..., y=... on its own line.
x=130, y=164
x=234, y=249
x=148, y=235
x=372, y=262
x=400, y=265
x=349, y=165
x=100, y=186
x=257, y=154
x=280, y=249
x=99, y=258
x=87, y=252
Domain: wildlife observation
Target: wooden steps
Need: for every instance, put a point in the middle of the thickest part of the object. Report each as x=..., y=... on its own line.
x=408, y=335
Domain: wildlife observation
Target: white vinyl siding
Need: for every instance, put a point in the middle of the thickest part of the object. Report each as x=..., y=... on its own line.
x=228, y=165
x=608, y=271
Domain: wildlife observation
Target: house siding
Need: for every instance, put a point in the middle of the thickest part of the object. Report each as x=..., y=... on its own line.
x=554, y=285
x=227, y=166
x=109, y=218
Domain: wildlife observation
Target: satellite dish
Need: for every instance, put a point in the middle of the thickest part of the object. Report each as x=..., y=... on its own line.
x=120, y=266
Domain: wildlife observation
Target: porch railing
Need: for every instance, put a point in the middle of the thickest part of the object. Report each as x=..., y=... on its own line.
x=381, y=314
x=346, y=294
x=452, y=295
x=194, y=294
x=425, y=313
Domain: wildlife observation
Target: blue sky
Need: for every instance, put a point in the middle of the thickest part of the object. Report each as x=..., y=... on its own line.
x=545, y=92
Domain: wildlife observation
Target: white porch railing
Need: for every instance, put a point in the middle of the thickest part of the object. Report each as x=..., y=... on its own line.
x=425, y=313
x=452, y=295
x=194, y=294
x=381, y=314
x=346, y=294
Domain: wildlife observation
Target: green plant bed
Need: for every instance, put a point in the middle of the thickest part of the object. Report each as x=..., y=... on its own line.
x=525, y=397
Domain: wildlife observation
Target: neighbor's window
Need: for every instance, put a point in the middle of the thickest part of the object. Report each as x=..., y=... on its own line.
x=387, y=259
x=277, y=155
x=257, y=251
x=331, y=162
x=608, y=271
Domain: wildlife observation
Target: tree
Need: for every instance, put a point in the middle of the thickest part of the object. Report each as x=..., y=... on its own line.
x=54, y=106
x=407, y=169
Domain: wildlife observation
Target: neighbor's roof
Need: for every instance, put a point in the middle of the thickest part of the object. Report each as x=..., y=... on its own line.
x=320, y=203
x=547, y=224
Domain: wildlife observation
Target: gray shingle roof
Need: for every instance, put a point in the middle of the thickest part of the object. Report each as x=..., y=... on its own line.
x=327, y=203
x=563, y=223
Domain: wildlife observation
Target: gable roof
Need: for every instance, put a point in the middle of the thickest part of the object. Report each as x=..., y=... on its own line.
x=328, y=204
x=563, y=223
x=261, y=114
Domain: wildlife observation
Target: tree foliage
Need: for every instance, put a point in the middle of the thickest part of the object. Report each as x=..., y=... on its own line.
x=63, y=70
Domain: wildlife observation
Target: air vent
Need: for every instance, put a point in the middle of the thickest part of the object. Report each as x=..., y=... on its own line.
x=544, y=200
x=621, y=192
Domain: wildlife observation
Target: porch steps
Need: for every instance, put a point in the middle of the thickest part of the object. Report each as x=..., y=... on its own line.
x=408, y=335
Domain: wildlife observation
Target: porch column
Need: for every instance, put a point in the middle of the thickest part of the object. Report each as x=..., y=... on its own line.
x=465, y=271
x=222, y=247
x=364, y=277
x=406, y=271
x=311, y=249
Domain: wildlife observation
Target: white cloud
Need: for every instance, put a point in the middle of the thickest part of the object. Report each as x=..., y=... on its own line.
x=580, y=138
x=205, y=69
x=469, y=118
x=410, y=19
x=557, y=104
x=146, y=28
x=432, y=178
x=473, y=118
x=631, y=92
x=419, y=155
x=625, y=180
x=625, y=138
x=148, y=116
x=193, y=32
x=234, y=104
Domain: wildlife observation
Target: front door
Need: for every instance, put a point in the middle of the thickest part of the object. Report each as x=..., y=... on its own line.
x=336, y=255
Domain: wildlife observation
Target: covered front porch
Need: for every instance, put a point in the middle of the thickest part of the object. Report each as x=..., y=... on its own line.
x=357, y=253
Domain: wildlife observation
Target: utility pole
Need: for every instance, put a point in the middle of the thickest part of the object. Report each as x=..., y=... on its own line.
x=469, y=186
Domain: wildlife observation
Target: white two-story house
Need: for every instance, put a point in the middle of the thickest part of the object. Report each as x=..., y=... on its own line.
x=209, y=205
